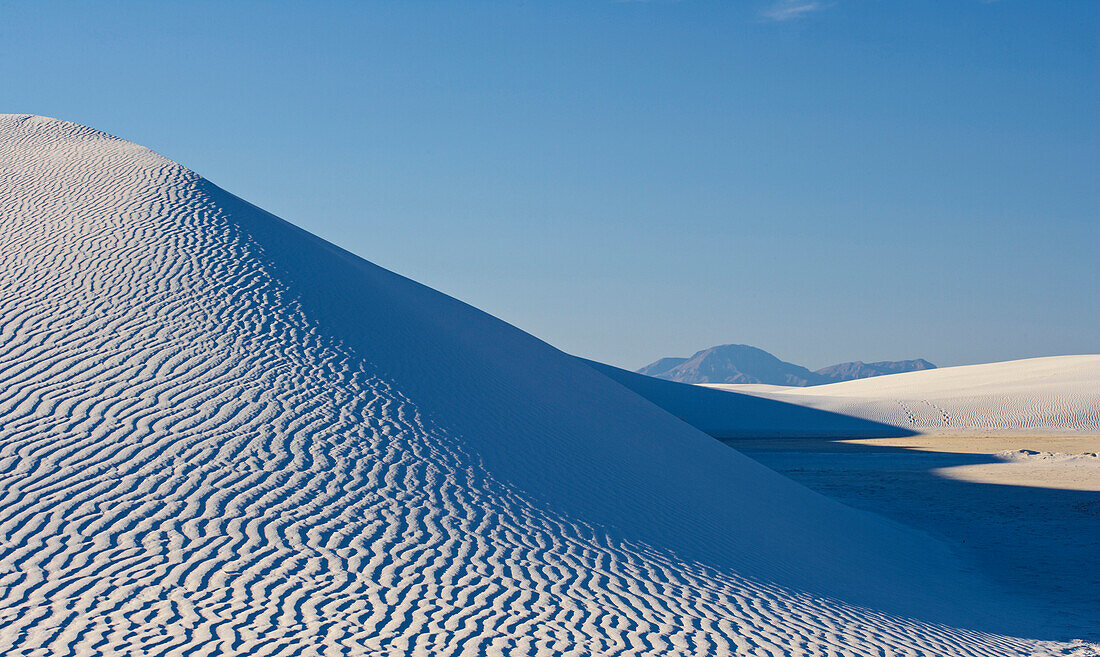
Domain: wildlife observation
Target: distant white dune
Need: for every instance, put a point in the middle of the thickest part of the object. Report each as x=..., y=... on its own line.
x=1040, y=396
x=222, y=435
x=1058, y=394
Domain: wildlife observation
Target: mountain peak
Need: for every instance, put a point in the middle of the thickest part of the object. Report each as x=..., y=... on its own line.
x=733, y=363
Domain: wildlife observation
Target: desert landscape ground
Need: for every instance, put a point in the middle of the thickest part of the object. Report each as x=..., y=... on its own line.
x=1001, y=461
x=1005, y=466
x=1031, y=523
x=220, y=434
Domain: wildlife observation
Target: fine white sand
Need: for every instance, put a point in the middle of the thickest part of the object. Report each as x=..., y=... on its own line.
x=1036, y=396
x=222, y=435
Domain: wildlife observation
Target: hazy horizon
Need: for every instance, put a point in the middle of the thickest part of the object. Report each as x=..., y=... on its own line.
x=633, y=180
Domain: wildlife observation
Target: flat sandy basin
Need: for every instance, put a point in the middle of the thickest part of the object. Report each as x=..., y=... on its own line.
x=1025, y=510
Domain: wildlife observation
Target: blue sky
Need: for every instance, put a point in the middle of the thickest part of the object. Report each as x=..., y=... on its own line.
x=854, y=179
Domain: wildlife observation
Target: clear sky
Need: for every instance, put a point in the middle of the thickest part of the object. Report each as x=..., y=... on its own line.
x=841, y=180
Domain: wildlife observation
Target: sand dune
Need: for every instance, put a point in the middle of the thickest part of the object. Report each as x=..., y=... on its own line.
x=1037, y=396
x=222, y=435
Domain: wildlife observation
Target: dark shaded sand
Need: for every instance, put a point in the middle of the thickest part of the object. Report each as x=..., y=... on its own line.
x=1024, y=510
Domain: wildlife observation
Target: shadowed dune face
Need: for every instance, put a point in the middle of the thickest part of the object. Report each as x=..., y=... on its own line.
x=222, y=435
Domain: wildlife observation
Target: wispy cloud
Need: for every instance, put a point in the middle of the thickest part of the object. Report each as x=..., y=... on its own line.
x=789, y=10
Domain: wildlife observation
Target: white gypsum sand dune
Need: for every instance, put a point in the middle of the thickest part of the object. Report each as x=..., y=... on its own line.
x=222, y=435
x=1036, y=396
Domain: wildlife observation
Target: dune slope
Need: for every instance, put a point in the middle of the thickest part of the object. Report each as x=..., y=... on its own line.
x=222, y=435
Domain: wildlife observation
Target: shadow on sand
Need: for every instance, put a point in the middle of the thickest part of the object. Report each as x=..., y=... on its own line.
x=1039, y=543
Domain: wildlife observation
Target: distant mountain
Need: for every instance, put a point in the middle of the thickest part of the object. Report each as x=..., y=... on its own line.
x=860, y=370
x=740, y=363
x=733, y=363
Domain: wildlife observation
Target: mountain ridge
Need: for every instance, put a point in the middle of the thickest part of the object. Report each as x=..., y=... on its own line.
x=858, y=369
x=745, y=364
